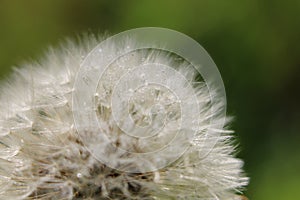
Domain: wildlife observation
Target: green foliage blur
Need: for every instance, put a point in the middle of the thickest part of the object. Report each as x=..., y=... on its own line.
x=255, y=44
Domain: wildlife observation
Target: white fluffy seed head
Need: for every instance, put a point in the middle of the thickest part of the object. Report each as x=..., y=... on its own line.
x=42, y=155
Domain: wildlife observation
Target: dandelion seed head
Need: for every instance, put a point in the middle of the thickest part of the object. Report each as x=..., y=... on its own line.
x=44, y=155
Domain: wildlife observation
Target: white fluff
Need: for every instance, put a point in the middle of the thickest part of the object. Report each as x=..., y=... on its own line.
x=42, y=157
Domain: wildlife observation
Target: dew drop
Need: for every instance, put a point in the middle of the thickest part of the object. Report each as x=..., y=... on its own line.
x=79, y=175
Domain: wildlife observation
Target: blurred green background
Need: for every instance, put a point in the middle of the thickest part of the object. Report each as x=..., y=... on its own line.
x=255, y=44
